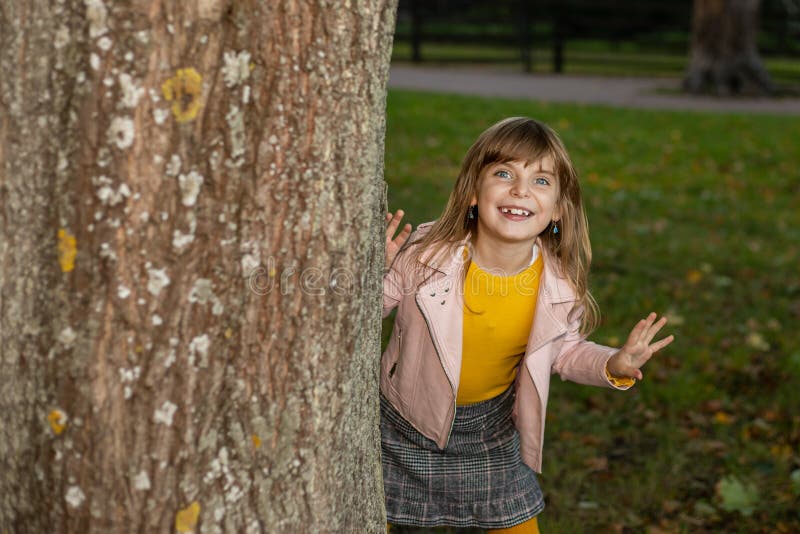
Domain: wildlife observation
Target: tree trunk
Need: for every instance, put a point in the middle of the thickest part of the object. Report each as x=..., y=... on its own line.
x=190, y=260
x=724, y=57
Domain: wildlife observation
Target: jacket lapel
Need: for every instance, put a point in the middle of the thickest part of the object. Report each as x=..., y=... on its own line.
x=441, y=301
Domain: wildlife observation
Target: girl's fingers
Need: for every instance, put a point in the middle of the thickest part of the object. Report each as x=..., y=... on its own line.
x=636, y=333
x=660, y=344
x=653, y=330
x=394, y=221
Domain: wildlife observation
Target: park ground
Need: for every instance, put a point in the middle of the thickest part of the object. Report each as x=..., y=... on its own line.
x=693, y=213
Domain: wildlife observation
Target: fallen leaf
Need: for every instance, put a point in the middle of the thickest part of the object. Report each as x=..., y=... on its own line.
x=737, y=496
x=795, y=478
x=723, y=418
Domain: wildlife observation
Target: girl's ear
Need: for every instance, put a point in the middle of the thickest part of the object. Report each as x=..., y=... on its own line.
x=473, y=201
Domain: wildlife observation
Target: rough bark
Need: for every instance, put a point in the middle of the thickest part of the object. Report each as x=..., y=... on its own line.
x=190, y=258
x=724, y=56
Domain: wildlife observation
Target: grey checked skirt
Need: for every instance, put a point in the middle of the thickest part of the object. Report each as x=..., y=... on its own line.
x=478, y=480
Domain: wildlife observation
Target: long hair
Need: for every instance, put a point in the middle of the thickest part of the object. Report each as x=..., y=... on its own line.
x=527, y=140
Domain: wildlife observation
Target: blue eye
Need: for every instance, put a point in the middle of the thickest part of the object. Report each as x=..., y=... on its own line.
x=503, y=174
x=542, y=181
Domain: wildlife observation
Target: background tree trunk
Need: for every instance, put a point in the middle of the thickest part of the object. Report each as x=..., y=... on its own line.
x=724, y=57
x=190, y=260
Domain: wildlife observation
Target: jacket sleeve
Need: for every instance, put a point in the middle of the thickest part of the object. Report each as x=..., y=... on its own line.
x=392, y=289
x=584, y=362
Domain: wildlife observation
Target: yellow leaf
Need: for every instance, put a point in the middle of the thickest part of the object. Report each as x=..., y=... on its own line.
x=694, y=276
x=57, y=420
x=723, y=418
x=256, y=441
x=756, y=341
x=67, y=250
x=186, y=519
x=784, y=452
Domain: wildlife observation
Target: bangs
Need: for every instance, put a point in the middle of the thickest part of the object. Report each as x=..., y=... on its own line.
x=526, y=141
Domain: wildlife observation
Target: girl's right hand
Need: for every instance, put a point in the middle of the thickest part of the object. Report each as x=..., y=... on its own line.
x=394, y=244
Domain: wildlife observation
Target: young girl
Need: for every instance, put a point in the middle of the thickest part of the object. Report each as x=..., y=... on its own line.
x=491, y=299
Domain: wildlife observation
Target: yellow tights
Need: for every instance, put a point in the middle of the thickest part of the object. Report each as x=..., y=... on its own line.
x=530, y=526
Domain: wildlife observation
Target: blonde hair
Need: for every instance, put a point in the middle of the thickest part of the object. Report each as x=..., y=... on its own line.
x=528, y=140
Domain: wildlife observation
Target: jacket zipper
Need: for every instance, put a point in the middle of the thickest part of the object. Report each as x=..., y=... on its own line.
x=441, y=362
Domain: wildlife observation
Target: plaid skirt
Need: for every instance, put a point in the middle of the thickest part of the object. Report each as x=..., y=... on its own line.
x=478, y=480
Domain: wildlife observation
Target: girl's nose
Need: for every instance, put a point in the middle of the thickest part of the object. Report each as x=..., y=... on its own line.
x=519, y=190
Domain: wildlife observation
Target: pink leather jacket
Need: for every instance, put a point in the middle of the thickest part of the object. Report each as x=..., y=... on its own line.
x=421, y=366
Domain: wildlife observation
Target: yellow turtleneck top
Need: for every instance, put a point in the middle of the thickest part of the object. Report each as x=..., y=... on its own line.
x=498, y=314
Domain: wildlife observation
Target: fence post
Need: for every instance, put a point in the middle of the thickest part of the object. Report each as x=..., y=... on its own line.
x=525, y=36
x=558, y=39
x=416, y=31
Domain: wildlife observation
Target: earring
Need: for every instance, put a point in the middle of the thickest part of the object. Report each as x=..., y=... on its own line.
x=472, y=213
x=555, y=227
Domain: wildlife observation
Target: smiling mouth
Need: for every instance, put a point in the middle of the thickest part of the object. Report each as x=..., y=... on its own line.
x=515, y=212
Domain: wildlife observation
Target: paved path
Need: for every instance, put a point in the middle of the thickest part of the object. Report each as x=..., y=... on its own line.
x=622, y=92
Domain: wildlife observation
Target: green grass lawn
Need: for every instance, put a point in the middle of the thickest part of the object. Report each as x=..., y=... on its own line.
x=696, y=215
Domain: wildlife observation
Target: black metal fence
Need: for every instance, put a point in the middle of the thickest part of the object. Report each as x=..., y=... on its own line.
x=536, y=32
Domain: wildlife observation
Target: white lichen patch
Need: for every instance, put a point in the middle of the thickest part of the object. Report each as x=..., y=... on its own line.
x=107, y=253
x=250, y=263
x=104, y=43
x=141, y=481
x=123, y=292
x=165, y=414
x=131, y=91
x=173, y=167
x=94, y=61
x=109, y=197
x=170, y=359
x=67, y=337
x=156, y=320
x=190, y=187
x=202, y=291
x=97, y=15
x=157, y=280
x=160, y=115
x=62, y=37
x=129, y=374
x=75, y=496
x=181, y=240
x=236, y=68
x=235, y=120
x=199, y=347
x=121, y=132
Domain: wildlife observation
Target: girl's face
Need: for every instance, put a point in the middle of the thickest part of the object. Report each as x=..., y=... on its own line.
x=517, y=202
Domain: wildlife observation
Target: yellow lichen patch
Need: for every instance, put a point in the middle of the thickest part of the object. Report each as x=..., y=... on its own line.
x=67, y=250
x=228, y=333
x=184, y=90
x=186, y=519
x=256, y=441
x=57, y=420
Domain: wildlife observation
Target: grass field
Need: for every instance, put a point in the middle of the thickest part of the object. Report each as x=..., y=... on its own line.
x=694, y=215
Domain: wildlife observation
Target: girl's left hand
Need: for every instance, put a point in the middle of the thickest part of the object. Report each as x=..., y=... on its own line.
x=638, y=349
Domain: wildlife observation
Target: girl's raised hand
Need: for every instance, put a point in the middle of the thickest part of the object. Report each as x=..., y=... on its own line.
x=638, y=349
x=394, y=244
